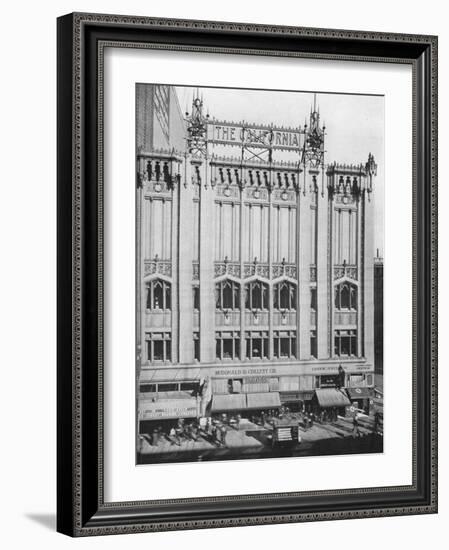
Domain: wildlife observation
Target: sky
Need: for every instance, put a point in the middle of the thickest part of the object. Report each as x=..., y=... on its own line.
x=354, y=125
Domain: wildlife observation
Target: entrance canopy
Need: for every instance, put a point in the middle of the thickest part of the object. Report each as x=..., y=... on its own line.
x=263, y=400
x=233, y=402
x=331, y=397
x=359, y=393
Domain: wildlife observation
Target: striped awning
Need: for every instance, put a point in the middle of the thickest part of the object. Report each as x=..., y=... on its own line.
x=233, y=402
x=331, y=397
x=360, y=393
x=162, y=409
x=269, y=400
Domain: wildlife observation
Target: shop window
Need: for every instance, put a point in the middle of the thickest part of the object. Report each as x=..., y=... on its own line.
x=167, y=387
x=147, y=388
x=256, y=345
x=227, y=345
x=189, y=386
x=227, y=295
x=284, y=297
x=256, y=296
x=345, y=343
x=159, y=346
x=158, y=295
x=346, y=297
x=284, y=344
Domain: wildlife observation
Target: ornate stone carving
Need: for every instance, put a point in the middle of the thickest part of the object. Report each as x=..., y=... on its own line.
x=252, y=269
x=345, y=270
x=163, y=267
x=283, y=269
x=227, y=268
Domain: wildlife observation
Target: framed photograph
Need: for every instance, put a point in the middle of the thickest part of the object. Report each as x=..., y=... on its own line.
x=247, y=274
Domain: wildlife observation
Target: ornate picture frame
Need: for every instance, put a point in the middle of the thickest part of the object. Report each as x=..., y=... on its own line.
x=81, y=507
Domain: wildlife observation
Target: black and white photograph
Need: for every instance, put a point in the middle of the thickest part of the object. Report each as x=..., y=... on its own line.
x=259, y=273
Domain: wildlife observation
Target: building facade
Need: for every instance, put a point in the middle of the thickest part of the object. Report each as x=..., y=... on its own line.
x=255, y=276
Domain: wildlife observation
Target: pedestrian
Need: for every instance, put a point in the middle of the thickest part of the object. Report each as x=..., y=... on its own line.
x=172, y=435
x=239, y=418
x=306, y=421
x=178, y=432
x=355, y=426
x=224, y=431
x=376, y=422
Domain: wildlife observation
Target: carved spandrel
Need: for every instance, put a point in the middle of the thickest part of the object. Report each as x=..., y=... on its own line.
x=162, y=267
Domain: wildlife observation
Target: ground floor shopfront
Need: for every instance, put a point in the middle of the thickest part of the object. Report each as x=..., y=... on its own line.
x=167, y=394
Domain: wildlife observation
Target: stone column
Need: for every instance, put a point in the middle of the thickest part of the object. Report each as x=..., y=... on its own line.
x=242, y=236
x=184, y=268
x=368, y=276
x=270, y=277
x=323, y=272
x=303, y=268
x=207, y=268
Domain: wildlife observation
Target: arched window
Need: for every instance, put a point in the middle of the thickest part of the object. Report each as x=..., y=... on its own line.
x=346, y=296
x=256, y=295
x=227, y=295
x=284, y=296
x=158, y=295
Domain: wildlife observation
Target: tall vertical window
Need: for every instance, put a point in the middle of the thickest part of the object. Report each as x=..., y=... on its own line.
x=284, y=344
x=158, y=295
x=256, y=295
x=345, y=236
x=346, y=296
x=196, y=297
x=345, y=343
x=227, y=344
x=313, y=298
x=159, y=346
x=196, y=346
x=227, y=295
x=313, y=344
x=256, y=345
x=284, y=296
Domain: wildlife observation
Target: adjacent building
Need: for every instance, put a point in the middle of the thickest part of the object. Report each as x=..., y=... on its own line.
x=378, y=314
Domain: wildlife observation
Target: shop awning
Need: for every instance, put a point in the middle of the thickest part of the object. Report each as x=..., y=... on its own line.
x=269, y=400
x=164, y=409
x=233, y=402
x=331, y=397
x=359, y=393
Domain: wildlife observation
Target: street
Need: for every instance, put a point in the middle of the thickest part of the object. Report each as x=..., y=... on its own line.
x=255, y=441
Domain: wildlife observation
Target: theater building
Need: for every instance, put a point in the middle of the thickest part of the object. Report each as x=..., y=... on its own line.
x=255, y=274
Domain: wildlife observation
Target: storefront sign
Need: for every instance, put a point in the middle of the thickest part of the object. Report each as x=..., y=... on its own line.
x=161, y=411
x=226, y=134
x=244, y=372
x=328, y=381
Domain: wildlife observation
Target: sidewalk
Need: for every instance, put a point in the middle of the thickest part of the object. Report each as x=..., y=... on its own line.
x=253, y=436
